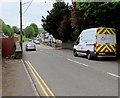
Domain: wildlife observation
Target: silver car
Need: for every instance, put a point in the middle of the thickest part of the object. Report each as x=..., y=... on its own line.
x=30, y=46
x=36, y=41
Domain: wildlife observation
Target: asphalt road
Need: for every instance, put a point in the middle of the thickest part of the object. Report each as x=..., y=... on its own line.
x=67, y=75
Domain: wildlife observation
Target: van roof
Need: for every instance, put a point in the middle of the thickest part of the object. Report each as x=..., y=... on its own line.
x=98, y=28
x=94, y=29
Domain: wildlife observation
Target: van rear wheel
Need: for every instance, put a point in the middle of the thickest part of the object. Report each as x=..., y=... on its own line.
x=89, y=56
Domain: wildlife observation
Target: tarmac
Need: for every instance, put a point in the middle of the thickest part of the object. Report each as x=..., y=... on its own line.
x=15, y=79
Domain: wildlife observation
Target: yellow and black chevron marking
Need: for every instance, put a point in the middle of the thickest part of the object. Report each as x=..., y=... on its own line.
x=106, y=31
x=105, y=48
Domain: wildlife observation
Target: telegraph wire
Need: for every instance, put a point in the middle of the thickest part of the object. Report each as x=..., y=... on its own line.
x=28, y=7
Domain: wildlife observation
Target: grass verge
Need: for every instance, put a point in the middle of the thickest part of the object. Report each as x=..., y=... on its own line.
x=24, y=39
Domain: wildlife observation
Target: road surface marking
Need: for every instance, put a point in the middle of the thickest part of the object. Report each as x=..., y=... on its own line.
x=43, y=89
x=41, y=80
x=113, y=75
x=77, y=62
x=33, y=86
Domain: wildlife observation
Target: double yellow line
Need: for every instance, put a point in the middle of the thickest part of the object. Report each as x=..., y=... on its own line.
x=40, y=81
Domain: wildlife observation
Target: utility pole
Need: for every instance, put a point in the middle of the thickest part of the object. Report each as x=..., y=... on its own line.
x=72, y=1
x=21, y=42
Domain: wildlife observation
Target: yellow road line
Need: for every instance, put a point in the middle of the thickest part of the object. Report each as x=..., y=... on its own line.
x=42, y=80
x=37, y=80
x=31, y=81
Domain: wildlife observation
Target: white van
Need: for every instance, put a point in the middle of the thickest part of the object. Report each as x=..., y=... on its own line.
x=96, y=42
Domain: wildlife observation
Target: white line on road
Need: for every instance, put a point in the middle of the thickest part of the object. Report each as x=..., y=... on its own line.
x=113, y=74
x=77, y=62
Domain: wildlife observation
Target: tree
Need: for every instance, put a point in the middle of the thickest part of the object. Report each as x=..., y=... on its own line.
x=1, y=23
x=94, y=14
x=16, y=29
x=78, y=20
x=8, y=31
x=29, y=32
x=52, y=22
x=101, y=13
x=41, y=30
x=12, y=32
x=65, y=29
x=35, y=29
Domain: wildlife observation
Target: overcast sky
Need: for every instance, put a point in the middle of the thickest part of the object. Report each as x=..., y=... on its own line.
x=9, y=11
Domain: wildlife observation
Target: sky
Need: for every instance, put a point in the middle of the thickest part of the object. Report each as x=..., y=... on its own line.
x=9, y=11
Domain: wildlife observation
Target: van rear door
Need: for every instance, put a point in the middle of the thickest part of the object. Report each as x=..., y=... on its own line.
x=106, y=40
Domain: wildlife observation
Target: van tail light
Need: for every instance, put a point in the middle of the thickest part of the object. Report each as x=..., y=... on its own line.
x=94, y=47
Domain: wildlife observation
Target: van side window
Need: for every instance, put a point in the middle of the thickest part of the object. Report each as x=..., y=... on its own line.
x=77, y=41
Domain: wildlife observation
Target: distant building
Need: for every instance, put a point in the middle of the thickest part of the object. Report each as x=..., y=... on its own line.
x=44, y=36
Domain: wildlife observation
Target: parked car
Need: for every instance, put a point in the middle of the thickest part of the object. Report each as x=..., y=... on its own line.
x=96, y=42
x=37, y=41
x=30, y=46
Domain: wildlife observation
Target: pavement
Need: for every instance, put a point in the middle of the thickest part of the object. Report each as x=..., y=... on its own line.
x=15, y=80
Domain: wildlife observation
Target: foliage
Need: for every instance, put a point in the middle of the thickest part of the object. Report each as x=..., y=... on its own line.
x=16, y=29
x=35, y=29
x=41, y=30
x=101, y=13
x=1, y=23
x=96, y=14
x=78, y=20
x=52, y=22
x=8, y=31
x=29, y=32
x=25, y=39
x=65, y=28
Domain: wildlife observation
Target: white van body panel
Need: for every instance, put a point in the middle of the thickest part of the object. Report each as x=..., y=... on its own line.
x=88, y=39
